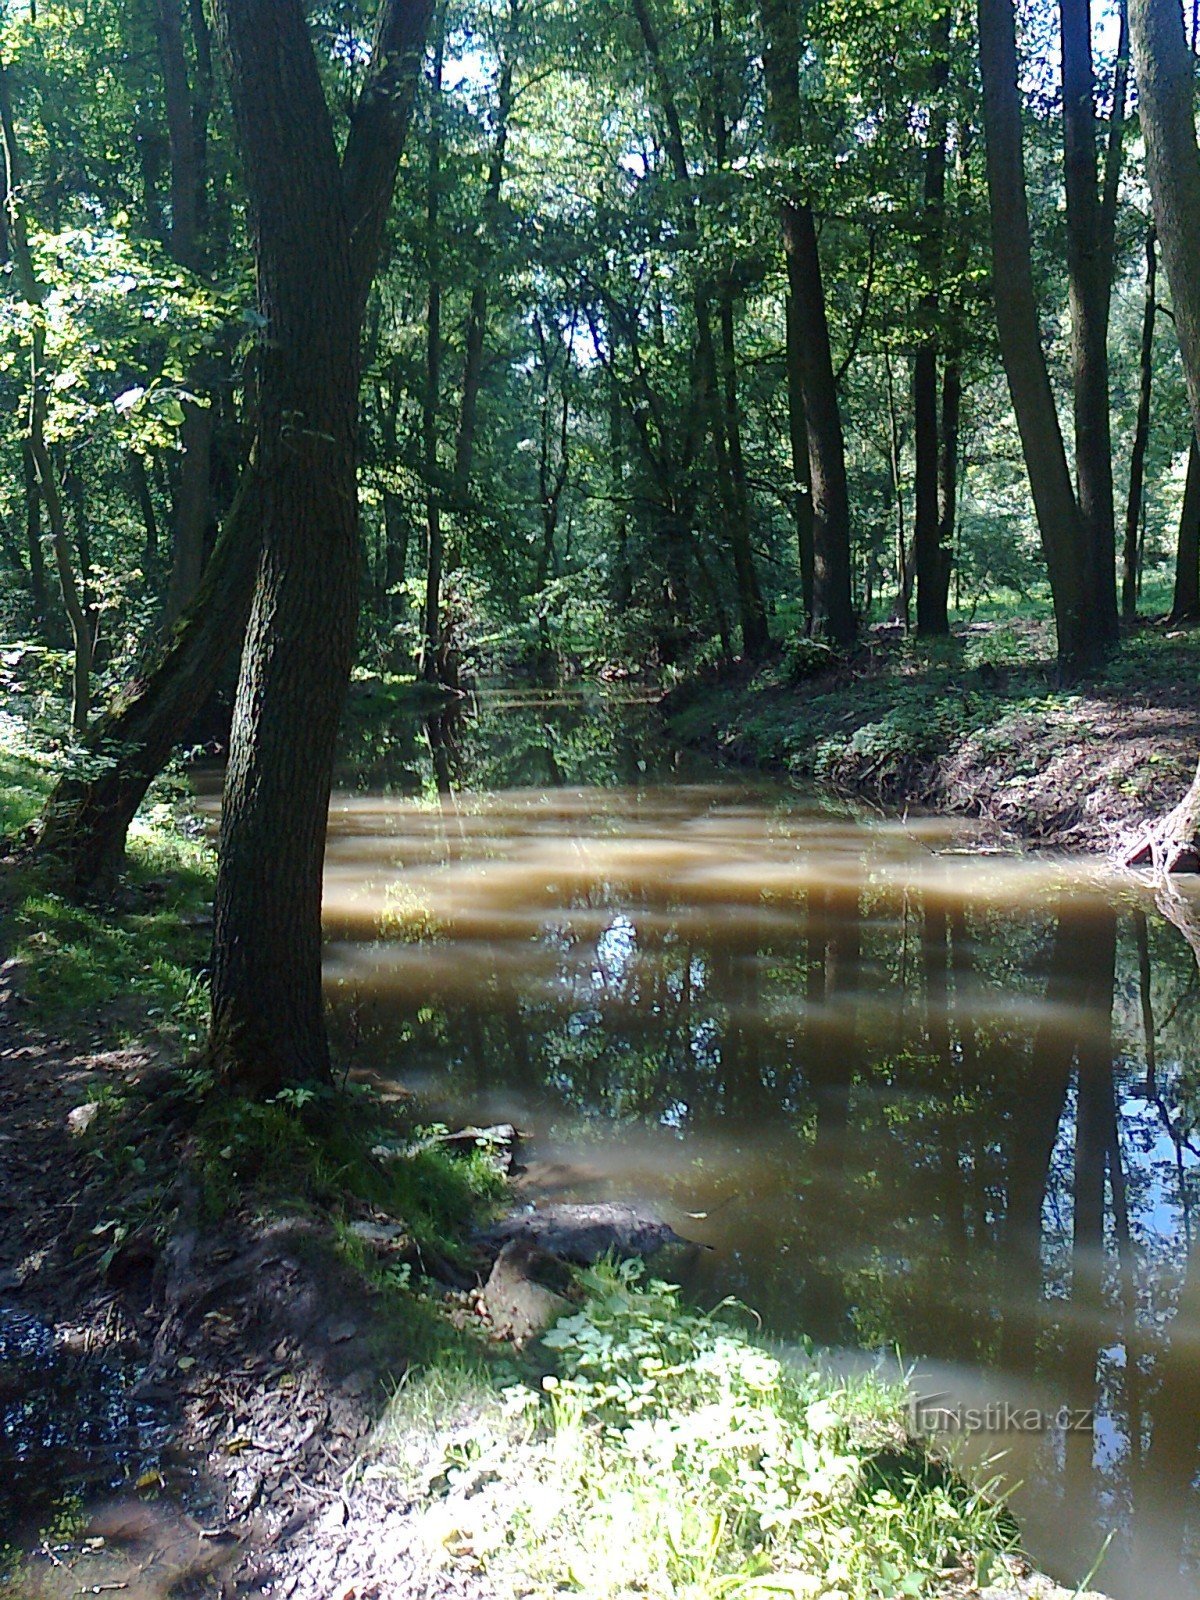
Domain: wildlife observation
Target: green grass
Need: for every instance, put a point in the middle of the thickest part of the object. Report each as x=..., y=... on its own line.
x=670, y=1454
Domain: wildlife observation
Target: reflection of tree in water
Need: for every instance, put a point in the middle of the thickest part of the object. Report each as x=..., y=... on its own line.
x=911, y=1118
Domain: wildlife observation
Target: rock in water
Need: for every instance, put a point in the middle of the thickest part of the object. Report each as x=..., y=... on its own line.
x=584, y=1233
x=514, y=1302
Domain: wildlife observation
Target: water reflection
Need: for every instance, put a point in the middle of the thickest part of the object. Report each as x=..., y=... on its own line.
x=910, y=1095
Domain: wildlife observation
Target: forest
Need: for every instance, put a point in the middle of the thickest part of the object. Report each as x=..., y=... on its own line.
x=601, y=648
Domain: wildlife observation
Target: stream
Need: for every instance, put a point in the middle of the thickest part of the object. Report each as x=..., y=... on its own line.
x=930, y=1105
x=915, y=1098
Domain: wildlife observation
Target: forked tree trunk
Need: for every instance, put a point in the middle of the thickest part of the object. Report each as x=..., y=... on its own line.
x=1089, y=271
x=87, y=817
x=832, y=610
x=1063, y=533
x=317, y=224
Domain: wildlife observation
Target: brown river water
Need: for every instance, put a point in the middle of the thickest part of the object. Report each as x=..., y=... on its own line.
x=929, y=1107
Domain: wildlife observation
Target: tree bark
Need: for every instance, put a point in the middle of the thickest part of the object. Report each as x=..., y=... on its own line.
x=1089, y=275
x=948, y=475
x=1141, y=438
x=1062, y=529
x=1165, y=71
x=1165, y=76
x=1185, y=606
x=316, y=226
x=832, y=610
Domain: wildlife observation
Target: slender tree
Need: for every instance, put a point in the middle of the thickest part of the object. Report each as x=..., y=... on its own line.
x=1141, y=436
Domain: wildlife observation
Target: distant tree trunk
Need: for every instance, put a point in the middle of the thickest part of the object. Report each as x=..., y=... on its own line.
x=1185, y=607
x=145, y=501
x=187, y=133
x=33, y=541
x=1141, y=438
x=1166, y=80
x=948, y=475
x=435, y=540
x=752, y=611
x=32, y=292
x=905, y=565
x=1089, y=273
x=464, y=444
x=1063, y=534
x=317, y=225
x=930, y=557
x=396, y=521
x=832, y=605
x=193, y=509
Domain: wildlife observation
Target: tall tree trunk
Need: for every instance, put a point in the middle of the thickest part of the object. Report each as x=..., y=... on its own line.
x=435, y=539
x=1089, y=273
x=947, y=467
x=464, y=444
x=1166, y=81
x=752, y=611
x=832, y=604
x=317, y=224
x=193, y=510
x=929, y=556
x=32, y=293
x=1165, y=76
x=1063, y=534
x=1185, y=606
x=140, y=479
x=187, y=119
x=1141, y=438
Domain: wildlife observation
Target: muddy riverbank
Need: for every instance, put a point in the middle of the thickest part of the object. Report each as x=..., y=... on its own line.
x=973, y=726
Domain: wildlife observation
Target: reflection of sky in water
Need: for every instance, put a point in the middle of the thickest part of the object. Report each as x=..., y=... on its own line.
x=822, y=1049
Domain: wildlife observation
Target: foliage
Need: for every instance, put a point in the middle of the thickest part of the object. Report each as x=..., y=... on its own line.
x=672, y=1454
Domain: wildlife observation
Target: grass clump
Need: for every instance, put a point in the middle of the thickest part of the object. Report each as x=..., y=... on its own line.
x=337, y=1150
x=671, y=1455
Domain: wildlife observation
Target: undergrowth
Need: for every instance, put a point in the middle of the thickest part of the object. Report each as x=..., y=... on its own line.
x=669, y=1454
